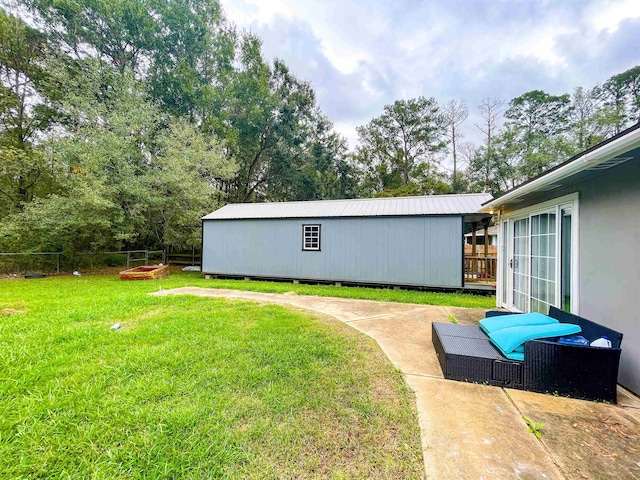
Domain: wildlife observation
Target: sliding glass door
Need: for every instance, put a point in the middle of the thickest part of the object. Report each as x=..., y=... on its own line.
x=539, y=266
x=543, y=262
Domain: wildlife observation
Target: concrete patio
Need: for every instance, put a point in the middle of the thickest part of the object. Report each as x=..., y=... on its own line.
x=476, y=431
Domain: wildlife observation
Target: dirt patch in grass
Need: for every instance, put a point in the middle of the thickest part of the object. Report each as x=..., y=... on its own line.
x=12, y=308
x=129, y=323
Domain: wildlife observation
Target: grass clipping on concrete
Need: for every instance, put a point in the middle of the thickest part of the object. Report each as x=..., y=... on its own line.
x=191, y=388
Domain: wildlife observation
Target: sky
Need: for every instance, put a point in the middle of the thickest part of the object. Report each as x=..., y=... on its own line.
x=360, y=55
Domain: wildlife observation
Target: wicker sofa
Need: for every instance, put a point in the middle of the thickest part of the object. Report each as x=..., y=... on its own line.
x=466, y=354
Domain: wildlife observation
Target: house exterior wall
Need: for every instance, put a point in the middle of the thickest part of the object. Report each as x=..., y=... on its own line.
x=609, y=257
x=416, y=250
x=610, y=261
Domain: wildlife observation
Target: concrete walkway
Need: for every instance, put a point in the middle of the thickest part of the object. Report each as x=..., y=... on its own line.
x=476, y=431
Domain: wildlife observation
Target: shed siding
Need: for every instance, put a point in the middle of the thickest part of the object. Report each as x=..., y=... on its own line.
x=391, y=250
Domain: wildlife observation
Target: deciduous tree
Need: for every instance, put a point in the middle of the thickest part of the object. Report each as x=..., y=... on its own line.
x=491, y=110
x=396, y=146
x=128, y=180
x=621, y=93
x=455, y=112
x=539, y=122
x=25, y=112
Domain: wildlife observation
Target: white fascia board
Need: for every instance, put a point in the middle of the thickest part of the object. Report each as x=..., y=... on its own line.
x=588, y=160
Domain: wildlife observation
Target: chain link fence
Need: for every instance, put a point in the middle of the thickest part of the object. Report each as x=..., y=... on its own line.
x=18, y=263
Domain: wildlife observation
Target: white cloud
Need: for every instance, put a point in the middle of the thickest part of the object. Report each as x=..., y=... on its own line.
x=246, y=12
x=347, y=130
x=363, y=54
x=335, y=44
x=609, y=17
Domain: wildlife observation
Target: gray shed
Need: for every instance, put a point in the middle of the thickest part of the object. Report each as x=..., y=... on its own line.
x=413, y=241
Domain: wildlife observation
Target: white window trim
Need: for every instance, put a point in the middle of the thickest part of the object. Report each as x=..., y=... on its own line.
x=503, y=254
x=553, y=205
x=304, y=237
x=528, y=237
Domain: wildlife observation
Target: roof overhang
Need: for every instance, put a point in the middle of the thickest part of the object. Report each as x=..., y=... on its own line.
x=593, y=160
x=476, y=217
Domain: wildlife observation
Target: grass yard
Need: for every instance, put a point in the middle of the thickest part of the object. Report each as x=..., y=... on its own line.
x=183, y=279
x=194, y=387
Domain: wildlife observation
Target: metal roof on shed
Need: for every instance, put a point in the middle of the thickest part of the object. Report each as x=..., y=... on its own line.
x=462, y=204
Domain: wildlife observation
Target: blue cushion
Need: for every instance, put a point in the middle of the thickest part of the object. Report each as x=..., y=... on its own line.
x=508, y=339
x=492, y=324
x=515, y=355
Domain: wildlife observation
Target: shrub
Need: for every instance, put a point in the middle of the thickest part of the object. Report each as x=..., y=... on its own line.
x=115, y=260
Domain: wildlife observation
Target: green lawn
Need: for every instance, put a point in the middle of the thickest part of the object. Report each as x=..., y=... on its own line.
x=382, y=294
x=194, y=387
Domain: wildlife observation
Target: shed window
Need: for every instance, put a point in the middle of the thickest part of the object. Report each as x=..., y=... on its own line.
x=311, y=237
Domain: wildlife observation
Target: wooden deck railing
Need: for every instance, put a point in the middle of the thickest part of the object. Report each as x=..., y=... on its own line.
x=492, y=251
x=480, y=269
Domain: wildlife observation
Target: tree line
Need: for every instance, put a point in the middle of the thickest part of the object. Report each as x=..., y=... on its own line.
x=122, y=122
x=403, y=151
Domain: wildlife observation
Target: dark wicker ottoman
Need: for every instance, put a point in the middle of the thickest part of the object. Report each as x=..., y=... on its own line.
x=466, y=354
